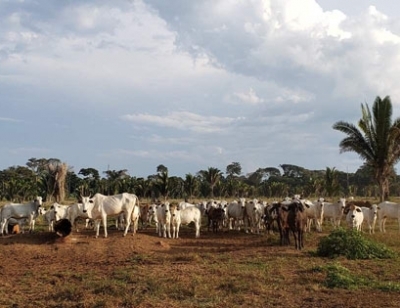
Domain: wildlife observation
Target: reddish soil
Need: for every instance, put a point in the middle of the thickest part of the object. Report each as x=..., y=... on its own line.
x=33, y=265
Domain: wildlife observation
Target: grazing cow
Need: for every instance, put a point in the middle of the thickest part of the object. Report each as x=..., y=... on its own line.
x=235, y=213
x=355, y=217
x=104, y=206
x=29, y=211
x=370, y=216
x=387, y=209
x=297, y=220
x=163, y=214
x=333, y=211
x=185, y=216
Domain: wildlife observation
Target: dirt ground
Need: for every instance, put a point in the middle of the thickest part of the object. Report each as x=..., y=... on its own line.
x=34, y=265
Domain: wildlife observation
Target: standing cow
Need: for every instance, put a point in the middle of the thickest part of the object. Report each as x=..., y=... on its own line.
x=104, y=206
x=28, y=211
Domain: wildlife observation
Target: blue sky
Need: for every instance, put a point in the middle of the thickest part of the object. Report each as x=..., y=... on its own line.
x=191, y=84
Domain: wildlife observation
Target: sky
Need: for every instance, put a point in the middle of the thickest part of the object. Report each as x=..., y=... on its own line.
x=121, y=84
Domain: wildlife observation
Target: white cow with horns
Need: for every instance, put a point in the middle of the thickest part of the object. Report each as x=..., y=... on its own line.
x=101, y=206
x=19, y=211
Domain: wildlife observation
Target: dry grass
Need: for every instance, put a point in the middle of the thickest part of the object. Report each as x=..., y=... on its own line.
x=228, y=269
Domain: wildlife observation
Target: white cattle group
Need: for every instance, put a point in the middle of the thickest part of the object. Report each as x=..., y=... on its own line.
x=252, y=215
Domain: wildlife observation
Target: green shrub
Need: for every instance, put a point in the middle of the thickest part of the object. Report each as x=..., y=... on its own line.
x=352, y=245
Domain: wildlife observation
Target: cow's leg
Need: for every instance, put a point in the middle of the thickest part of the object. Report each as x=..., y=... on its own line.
x=198, y=229
x=128, y=219
x=2, y=224
x=177, y=230
x=97, y=226
x=31, y=225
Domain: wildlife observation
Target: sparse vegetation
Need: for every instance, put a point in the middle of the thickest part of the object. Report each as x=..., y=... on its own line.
x=228, y=269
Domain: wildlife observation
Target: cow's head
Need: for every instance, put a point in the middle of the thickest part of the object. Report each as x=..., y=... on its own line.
x=174, y=210
x=166, y=206
x=38, y=202
x=86, y=201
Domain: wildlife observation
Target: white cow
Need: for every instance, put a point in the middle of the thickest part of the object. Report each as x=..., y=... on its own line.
x=332, y=211
x=49, y=218
x=313, y=213
x=153, y=215
x=104, y=206
x=254, y=211
x=185, y=216
x=60, y=211
x=387, y=209
x=355, y=217
x=370, y=216
x=163, y=214
x=235, y=213
x=29, y=211
x=75, y=211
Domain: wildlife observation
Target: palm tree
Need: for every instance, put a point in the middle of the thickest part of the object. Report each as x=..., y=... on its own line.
x=332, y=186
x=211, y=176
x=376, y=141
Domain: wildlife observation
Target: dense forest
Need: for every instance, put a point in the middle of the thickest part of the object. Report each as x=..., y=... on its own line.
x=56, y=181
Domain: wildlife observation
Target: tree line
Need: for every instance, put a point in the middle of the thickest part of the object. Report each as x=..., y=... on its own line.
x=55, y=181
x=375, y=138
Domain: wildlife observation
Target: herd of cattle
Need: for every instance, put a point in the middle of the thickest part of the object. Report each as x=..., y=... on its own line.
x=292, y=215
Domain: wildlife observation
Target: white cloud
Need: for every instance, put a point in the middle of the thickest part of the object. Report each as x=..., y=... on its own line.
x=183, y=120
x=249, y=97
x=201, y=82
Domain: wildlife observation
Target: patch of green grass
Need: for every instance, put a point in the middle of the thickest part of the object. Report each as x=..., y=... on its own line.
x=338, y=276
x=352, y=245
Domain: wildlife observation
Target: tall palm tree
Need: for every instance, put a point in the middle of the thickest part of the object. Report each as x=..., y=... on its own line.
x=211, y=176
x=376, y=141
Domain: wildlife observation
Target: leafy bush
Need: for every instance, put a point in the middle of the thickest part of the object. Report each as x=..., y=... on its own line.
x=352, y=245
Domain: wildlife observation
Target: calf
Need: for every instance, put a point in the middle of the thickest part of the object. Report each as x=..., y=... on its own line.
x=355, y=217
x=217, y=218
x=370, y=216
x=164, y=219
x=185, y=217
